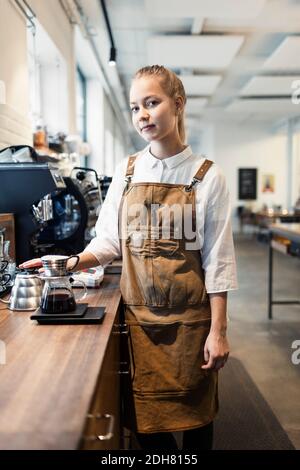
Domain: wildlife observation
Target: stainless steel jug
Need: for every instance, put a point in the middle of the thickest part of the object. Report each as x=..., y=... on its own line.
x=26, y=292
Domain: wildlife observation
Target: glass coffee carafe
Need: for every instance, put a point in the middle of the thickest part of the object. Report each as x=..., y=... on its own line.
x=58, y=295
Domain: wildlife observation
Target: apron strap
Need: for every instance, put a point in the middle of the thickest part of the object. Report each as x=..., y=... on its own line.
x=130, y=167
x=203, y=170
x=200, y=174
x=128, y=176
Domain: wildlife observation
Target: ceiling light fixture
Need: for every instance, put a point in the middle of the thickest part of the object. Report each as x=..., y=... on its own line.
x=112, y=56
x=113, y=50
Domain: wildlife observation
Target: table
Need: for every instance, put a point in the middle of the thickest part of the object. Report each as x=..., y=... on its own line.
x=261, y=220
x=286, y=234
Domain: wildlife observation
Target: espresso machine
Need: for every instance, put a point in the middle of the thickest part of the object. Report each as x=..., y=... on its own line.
x=25, y=190
x=54, y=214
x=65, y=232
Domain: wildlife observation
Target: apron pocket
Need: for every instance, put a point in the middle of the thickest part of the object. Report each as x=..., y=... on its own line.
x=136, y=285
x=195, y=334
x=164, y=247
x=157, y=357
x=140, y=246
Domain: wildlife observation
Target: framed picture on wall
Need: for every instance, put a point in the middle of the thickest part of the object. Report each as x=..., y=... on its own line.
x=247, y=183
x=268, y=185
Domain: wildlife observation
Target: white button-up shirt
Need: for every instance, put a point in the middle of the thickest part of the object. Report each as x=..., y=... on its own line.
x=213, y=213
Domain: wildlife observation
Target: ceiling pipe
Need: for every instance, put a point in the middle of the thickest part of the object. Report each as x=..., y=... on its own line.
x=27, y=12
x=75, y=15
x=113, y=50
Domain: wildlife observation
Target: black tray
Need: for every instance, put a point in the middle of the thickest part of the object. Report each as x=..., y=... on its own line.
x=79, y=312
x=92, y=315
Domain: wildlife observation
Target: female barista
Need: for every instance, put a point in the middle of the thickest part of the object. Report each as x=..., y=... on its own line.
x=167, y=212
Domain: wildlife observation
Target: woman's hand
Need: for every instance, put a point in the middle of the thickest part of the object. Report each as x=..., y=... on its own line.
x=86, y=260
x=37, y=263
x=32, y=263
x=216, y=350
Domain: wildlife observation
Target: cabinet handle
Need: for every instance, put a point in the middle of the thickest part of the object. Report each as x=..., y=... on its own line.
x=120, y=329
x=110, y=428
x=124, y=372
x=125, y=332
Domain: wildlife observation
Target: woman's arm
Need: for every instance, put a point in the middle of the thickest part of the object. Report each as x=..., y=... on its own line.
x=86, y=260
x=218, y=262
x=216, y=349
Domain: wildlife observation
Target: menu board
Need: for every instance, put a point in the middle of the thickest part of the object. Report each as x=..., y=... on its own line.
x=247, y=183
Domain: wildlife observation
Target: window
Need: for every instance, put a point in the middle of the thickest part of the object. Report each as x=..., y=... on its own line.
x=81, y=104
x=48, y=83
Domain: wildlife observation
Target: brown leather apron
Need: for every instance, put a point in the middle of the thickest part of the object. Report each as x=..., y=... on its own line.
x=167, y=308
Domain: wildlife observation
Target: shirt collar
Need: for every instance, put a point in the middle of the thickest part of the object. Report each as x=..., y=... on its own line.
x=170, y=162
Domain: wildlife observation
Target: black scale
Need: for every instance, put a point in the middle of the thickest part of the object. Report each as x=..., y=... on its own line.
x=82, y=315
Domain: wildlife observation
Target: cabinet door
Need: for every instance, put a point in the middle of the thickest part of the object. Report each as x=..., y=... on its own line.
x=102, y=429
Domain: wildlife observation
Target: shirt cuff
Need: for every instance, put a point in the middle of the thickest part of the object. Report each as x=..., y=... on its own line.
x=217, y=290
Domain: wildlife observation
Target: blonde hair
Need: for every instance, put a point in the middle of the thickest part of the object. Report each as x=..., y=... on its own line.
x=172, y=86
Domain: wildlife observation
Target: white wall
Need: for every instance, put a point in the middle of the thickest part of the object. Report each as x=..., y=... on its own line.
x=206, y=142
x=109, y=156
x=236, y=146
x=95, y=125
x=15, y=126
x=13, y=63
x=54, y=20
x=14, y=122
x=103, y=132
x=120, y=152
x=54, y=97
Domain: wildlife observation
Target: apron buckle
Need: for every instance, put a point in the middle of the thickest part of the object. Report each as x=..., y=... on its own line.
x=189, y=187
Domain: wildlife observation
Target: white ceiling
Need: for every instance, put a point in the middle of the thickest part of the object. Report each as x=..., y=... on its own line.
x=204, y=8
x=286, y=56
x=195, y=106
x=272, y=106
x=268, y=86
x=208, y=53
x=197, y=85
x=237, y=58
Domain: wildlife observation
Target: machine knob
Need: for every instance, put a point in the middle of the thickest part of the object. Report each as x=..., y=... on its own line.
x=80, y=175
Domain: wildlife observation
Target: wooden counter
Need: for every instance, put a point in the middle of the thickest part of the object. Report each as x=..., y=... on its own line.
x=50, y=382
